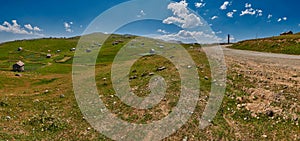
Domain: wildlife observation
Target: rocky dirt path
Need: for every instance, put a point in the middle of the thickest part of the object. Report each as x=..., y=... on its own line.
x=273, y=86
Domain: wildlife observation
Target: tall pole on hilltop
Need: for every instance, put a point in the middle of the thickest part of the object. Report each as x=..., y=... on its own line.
x=228, y=38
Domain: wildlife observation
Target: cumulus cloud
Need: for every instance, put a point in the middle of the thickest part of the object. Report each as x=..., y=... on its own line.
x=230, y=14
x=191, y=36
x=67, y=26
x=248, y=5
x=250, y=11
x=259, y=12
x=224, y=6
x=199, y=4
x=279, y=20
x=182, y=16
x=18, y=29
x=282, y=19
x=28, y=26
x=214, y=17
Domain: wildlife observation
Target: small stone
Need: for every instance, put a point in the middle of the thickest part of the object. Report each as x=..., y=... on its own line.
x=151, y=73
x=206, y=78
x=104, y=79
x=270, y=113
x=185, y=138
x=36, y=100
x=7, y=117
x=161, y=68
x=18, y=74
x=133, y=77
x=62, y=96
x=46, y=91
x=264, y=136
x=189, y=67
x=89, y=128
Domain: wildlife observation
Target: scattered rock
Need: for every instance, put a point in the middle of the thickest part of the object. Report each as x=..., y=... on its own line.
x=206, y=78
x=104, y=79
x=62, y=96
x=19, y=75
x=134, y=71
x=189, y=67
x=270, y=113
x=161, y=68
x=240, y=99
x=185, y=138
x=264, y=136
x=8, y=118
x=46, y=91
x=151, y=74
x=133, y=77
x=36, y=100
x=152, y=51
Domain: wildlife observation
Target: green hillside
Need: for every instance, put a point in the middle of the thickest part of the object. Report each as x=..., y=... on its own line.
x=40, y=104
x=286, y=44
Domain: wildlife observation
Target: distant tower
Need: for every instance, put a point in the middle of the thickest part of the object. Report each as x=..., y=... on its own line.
x=228, y=38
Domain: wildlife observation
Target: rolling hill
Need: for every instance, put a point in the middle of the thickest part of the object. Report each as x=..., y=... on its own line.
x=286, y=44
x=39, y=103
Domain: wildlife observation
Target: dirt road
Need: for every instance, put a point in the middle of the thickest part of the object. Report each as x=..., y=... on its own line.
x=272, y=81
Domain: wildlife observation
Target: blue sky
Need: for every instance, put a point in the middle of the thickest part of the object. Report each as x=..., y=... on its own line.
x=262, y=18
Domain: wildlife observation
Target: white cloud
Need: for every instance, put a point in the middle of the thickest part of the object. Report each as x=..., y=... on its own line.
x=200, y=4
x=270, y=16
x=162, y=31
x=259, y=12
x=191, y=36
x=249, y=11
x=18, y=29
x=28, y=26
x=230, y=14
x=284, y=18
x=224, y=6
x=141, y=14
x=36, y=28
x=182, y=16
x=67, y=26
x=298, y=24
x=214, y=17
x=219, y=32
x=248, y=5
x=279, y=20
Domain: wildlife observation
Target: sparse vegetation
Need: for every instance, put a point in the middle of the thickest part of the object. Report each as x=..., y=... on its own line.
x=32, y=106
x=286, y=44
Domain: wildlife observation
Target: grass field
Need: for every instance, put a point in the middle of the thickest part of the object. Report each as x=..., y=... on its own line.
x=40, y=105
x=286, y=44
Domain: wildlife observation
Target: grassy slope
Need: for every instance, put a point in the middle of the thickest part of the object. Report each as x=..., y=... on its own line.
x=287, y=44
x=38, y=115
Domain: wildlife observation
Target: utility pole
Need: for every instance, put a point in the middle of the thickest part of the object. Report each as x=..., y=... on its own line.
x=228, y=38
